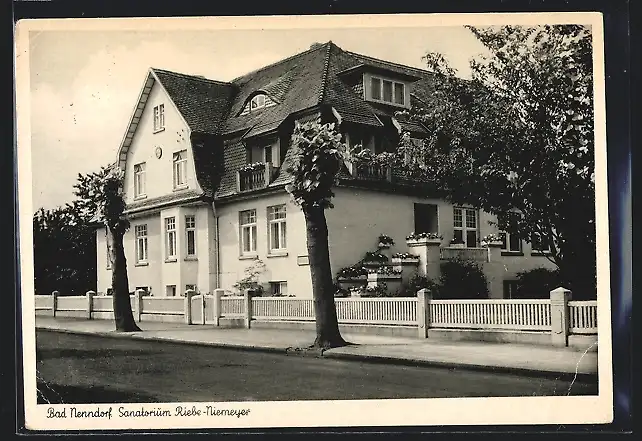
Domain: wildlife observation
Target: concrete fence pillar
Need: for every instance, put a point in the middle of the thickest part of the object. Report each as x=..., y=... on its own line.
x=138, y=302
x=218, y=295
x=424, y=298
x=54, y=302
x=188, y=305
x=247, y=300
x=90, y=303
x=560, y=316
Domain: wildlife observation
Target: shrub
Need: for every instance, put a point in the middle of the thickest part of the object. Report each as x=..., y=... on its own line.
x=414, y=284
x=537, y=283
x=251, y=279
x=385, y=240
x=462, y=279
x=374, y=256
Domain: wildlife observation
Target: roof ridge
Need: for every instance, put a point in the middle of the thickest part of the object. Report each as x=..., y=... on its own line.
x=324, y=76
x=424, y=71
x=194, y=77
x=276, y=63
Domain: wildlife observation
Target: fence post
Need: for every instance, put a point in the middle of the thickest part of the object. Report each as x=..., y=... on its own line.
x=188, y=305
x=560, y=316
x=202, y=308
x=218, y=294
x=54, y=302
x=247, y=300
x=424, y=297
x=138, y=301
x=90, y=303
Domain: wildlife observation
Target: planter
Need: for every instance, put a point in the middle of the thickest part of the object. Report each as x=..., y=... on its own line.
x=352, y=283
x=493, y=244
x=372, y=264
x=423, y=241
x=457, y=245
x=405, y=261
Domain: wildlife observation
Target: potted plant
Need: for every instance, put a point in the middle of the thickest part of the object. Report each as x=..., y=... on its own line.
x=385, y=241
x=351, y=276
x=374, y=259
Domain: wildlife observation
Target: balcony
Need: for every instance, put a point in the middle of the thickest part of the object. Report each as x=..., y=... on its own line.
x=254, y=176
x=475, y=254
x=370, y=172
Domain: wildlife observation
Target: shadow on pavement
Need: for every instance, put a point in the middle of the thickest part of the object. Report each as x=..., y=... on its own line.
x=52, y=353
x=49, y=393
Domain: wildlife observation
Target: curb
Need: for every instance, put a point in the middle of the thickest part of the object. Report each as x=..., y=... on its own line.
x=581, y=376
x=382, y=359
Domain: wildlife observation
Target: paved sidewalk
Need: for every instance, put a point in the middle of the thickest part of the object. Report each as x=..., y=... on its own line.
x=516, y=358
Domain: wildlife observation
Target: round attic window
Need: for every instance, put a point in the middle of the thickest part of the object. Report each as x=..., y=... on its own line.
x=158, y=152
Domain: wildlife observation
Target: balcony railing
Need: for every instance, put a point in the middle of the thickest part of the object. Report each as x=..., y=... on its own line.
x=371, y=172
x=254, y=178
x=475, y=254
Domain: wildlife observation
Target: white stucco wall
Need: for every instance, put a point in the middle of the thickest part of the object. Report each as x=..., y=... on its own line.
x=158, y=272
x=278, y=268
x=175, y=137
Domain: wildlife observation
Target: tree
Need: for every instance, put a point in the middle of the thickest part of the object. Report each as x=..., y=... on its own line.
x=100, y=194
x=317, y=154
x=517, y=140
x=64, y=251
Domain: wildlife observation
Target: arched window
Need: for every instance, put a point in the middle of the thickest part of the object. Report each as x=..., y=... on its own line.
x=257, y=102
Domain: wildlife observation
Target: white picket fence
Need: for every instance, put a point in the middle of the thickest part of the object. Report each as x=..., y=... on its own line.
x=492, y=314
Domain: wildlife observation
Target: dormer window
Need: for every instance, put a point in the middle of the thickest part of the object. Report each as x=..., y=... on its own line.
x=387, y=91
x=257, y=102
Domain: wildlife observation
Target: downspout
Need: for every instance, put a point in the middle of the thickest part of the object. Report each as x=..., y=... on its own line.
x=218, y=249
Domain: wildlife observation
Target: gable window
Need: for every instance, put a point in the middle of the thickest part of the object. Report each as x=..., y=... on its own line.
x=465, y=226
x=190, y=235
x=247, y=221
x=180, y=169
x=170, y=238
x=387, y=91
x=510, y=242
x=276, y=227
x=159, y=117
x=141, y=243
x=139, y=180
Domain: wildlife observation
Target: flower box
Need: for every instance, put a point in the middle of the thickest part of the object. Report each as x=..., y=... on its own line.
x=422, y=241
x=353, y=282
x=397, y=261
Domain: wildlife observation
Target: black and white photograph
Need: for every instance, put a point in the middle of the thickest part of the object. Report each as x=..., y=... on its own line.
x=313, y=221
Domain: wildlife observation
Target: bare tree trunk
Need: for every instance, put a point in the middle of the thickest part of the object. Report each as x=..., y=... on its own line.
x=327, y=326
x=123, y=316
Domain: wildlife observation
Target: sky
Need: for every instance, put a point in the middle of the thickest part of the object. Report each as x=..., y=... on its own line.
x=84, y=83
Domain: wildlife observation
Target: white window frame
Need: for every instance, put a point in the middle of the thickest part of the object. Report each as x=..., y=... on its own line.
x=141, y=243
x=393, y=100
x=170, y=238
x=249, y=224
x=279, y=288
x=257, y=101
x=506, y=245
x=159, y=118
x=277, y=220
x=139, y=180
x=464, y=228
x=190, y=229
x=179, y=169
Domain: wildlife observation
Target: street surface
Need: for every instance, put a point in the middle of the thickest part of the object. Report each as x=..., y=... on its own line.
x=92, y=369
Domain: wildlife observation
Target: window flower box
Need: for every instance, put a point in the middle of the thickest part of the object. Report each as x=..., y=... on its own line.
x=416, y=239
x=492, y=240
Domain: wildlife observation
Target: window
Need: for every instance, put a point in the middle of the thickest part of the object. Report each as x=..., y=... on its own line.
x=539, y=244
x=180, y=169
x=465, y=226
x=139, y=180
x=141, y=243
x=510, y=289
x=267, y=154
x=387, y=91
x=278, y=288
x=248, y=231
x=426, y=218
x=170, y=238
x=146, y=290
x=190, y=287
x=170, y=290
x=159, y=117
x=257, y=102
x=190, y=235
x=276, y=227
x=510, y=242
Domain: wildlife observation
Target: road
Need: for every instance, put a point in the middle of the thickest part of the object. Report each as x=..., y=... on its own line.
x=92, y=369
